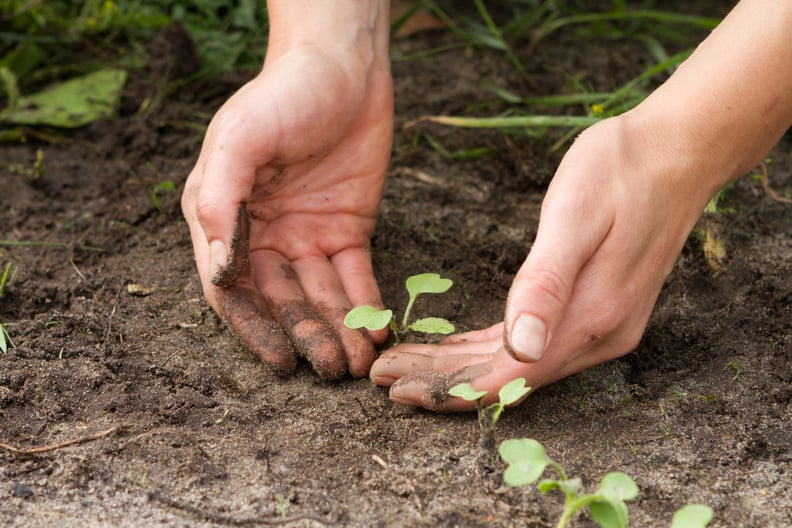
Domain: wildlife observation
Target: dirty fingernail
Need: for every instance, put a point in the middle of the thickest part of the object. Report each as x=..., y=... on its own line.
x=528, y=338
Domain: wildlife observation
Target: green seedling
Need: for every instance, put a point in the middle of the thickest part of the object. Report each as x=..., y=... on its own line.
x=157, y=190
x=527, y=461
x=4, y=278
x=5, y=339
x=372, y=318
x=489, y=415
x=509, y=394
x=692, y=516
x=222, y=418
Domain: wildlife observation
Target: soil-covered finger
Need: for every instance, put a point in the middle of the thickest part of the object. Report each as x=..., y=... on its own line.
x=238, y=261
x=313, y=337
x=430, y=389
x=247, y=313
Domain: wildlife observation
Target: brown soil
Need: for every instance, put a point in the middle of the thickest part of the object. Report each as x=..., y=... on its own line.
x=202, y=434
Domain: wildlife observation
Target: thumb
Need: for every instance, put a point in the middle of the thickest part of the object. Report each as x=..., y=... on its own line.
x=571, y=227
x=216, y=192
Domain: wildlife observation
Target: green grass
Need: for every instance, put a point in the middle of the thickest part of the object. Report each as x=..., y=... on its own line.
x=45, y=41
x=526, y=25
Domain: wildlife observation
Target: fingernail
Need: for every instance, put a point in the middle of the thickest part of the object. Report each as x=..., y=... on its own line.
x=218, y=256
x=528, y=338
x=408, y=393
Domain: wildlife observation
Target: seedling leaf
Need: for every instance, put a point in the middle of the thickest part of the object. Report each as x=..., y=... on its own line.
x=466, y=391
x=546, y=485
x=618, y=486
x=526, y=458
x=427, y=283
x=609, y=514
x=367, y=317
x=513, y=391
x=433, y=325
x=692, y=516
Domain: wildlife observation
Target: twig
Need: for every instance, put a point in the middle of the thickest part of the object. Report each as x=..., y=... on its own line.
x=769, y=190
x=61, y=445
x=156, y=496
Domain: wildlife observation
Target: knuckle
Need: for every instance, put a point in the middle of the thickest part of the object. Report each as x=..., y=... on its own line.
x=547, y=284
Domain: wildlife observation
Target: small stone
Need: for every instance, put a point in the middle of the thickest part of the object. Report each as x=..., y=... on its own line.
x=20, y=490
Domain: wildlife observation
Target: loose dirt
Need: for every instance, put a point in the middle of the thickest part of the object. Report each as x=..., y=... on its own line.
x=182, y=427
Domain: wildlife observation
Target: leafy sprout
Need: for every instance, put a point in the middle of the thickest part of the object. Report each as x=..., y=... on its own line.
x=692, y=516
x=372, y=318
x=527, y=461
x=509, y=394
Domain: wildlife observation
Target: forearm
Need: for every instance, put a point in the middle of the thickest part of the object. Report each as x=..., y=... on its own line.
x=357, y=29
x=731, y=101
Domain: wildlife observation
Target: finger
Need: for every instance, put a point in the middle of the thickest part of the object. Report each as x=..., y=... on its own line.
x=487, y=334
x=354, y=268
x=429, y=389
x=312, y=336
x=320, y=282
x=224, y=178
x=407, y=359
x=245, y=310
x=570, y=230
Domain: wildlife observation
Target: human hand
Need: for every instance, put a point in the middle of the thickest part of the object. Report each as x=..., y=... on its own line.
x=611, y=228
x=283, y=199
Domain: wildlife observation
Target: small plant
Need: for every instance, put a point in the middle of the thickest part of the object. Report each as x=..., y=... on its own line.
x=372, y=318
x=527, y=460
x=692, y=516
x=4, y=278
x=488, y=415
x=157, y=190
x=5, y=339
x=510, y=393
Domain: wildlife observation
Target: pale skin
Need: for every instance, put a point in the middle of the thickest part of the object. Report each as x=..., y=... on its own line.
x=309, y=163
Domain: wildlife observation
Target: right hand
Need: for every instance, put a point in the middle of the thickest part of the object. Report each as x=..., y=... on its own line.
x=302, y=152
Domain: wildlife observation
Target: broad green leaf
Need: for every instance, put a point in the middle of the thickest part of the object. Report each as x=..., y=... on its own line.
x=72, y=103
x=466, y=391
x=618, y=486
x=367, y=317
x=513, y=391
x=433, y=325
x=692, y=516
x=609, y=514
x=427, y=283
x=526, y=458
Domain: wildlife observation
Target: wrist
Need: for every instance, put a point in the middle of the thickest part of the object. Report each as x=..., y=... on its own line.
x=357, y=32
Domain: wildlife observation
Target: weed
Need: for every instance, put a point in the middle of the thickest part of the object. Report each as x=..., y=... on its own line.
x=223, y=417
x=373, y=318
x=5, y=277
x=5, y=339
x=159, y=188
x=731, y=364
x=282, y=503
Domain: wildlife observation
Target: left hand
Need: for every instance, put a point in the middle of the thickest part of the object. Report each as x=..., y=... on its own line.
x=611, y=228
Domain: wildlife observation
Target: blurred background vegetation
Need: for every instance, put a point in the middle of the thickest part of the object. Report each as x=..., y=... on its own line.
x=44, y=41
